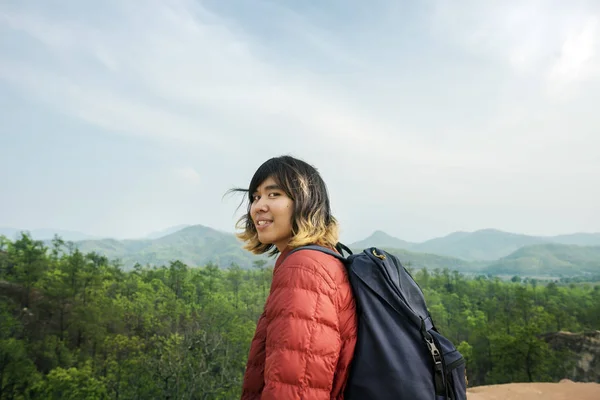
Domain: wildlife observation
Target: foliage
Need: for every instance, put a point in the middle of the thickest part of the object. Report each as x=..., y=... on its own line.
x=76, y=326
x=499, y=325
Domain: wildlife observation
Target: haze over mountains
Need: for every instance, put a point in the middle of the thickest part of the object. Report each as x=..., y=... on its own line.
x=46, y=234
x=165, y=232
x=485, y=244
x=487, y=251
x=494, y=252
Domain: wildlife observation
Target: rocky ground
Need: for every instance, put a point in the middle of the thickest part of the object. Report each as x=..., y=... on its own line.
x=564, y=390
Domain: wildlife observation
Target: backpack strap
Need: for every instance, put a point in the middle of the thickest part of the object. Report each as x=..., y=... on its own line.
x=322, y=249
x=341, y=247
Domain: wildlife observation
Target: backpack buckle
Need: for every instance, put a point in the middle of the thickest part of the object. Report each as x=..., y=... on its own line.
x=438, y=364
x=435, y=353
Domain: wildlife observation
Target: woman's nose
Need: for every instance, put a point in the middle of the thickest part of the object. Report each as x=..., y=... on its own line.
x=260, y=205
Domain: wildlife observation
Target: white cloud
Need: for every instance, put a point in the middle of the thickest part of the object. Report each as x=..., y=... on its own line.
x=177, y=75
x=540, y=39
x=579, y=57
x=179, y=72
x=188, y=175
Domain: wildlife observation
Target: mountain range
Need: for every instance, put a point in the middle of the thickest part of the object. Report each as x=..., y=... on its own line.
x=486, y=251
x=193, y=245
x=485, y=244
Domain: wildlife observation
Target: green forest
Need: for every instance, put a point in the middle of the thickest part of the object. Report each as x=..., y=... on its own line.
x=76, y=325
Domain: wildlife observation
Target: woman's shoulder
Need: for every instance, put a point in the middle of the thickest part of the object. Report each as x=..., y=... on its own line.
x=322, y=264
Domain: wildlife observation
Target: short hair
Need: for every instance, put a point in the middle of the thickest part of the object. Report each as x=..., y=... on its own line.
x=312, y=220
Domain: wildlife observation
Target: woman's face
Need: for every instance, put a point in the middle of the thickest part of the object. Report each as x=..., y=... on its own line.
x=271, y=211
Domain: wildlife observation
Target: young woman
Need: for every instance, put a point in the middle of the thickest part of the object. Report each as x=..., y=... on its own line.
x=304, y=340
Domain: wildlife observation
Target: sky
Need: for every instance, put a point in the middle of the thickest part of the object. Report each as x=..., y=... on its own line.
x=122, y=117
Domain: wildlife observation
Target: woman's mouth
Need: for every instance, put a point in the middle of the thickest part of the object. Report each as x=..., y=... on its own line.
x=263, y=223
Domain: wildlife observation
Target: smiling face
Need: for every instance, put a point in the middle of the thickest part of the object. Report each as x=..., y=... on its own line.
x=288, y=207
x=271, y=212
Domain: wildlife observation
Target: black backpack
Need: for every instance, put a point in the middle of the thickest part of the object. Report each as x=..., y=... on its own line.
x=399, y=353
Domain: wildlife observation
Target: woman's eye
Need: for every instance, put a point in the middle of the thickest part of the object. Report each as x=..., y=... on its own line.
x=256, y=197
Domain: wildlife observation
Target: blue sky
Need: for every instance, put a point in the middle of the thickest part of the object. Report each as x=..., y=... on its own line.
x=119, y=118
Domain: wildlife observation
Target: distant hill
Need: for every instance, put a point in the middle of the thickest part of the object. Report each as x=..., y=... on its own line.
x=486, y=244
x=559, y=260
x=382, y=239
x=165, y=232
x=195, y=245
x=496, y=252
x=46, y=234
x=481, y=245
x=432, y=261
x=581, y=239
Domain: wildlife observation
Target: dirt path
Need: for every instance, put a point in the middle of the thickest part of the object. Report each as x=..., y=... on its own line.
x=565, y=390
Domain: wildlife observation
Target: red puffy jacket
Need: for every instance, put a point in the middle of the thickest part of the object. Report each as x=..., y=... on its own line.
x=304, y=340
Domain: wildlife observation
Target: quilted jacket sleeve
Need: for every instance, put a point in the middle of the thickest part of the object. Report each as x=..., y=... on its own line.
x=253, y=378
x=302, y=335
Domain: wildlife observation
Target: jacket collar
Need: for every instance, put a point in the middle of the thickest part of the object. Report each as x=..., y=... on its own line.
x=282, y=256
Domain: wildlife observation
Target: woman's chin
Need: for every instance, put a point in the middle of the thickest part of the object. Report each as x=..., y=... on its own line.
x=264, y=240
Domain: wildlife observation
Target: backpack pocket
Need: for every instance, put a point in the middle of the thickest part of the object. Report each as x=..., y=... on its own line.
x=456, y=378
x=454, y=368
